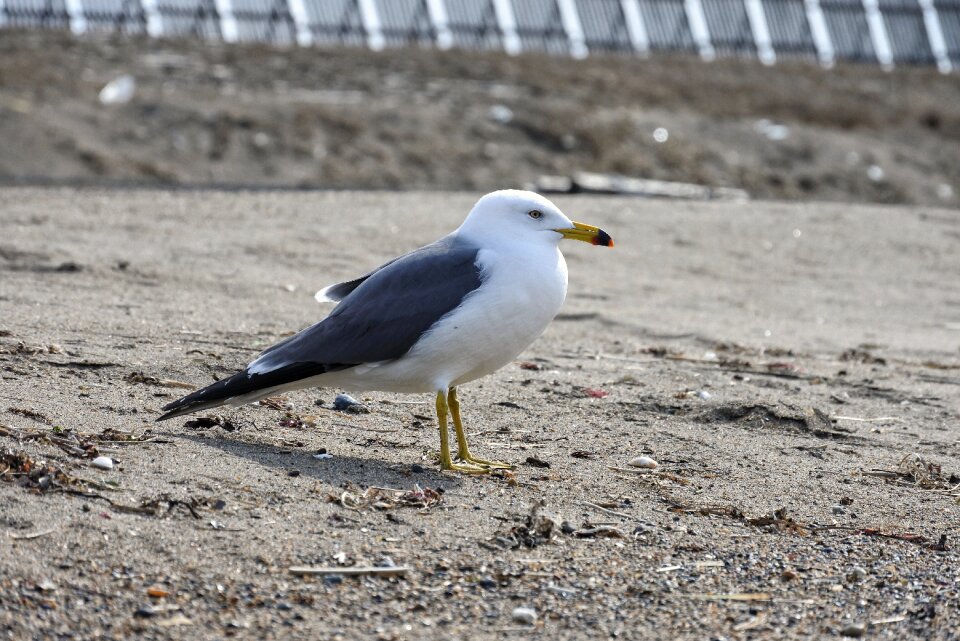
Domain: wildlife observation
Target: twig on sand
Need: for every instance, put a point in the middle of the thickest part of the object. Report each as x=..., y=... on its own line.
x=647, y=473
x=884, y=474
x=605, y=510
x=737, y=596
x=31, y=535
x=867, y=420
x=909, y=537
x=354, y=571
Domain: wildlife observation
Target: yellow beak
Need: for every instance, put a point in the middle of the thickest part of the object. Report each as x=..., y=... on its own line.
x=587, y=233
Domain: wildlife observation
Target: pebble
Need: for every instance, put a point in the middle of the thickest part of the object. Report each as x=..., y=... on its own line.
x=838, y=509
x=119, y=91
x=856, y=574
x=333, y=579
x=47, y=586
x=501, y=114
x=103, y=462
x=854, y=630
x=643, y=461
x=704, y=394
x=386, y=562
x=347, y=403
x=524, y=615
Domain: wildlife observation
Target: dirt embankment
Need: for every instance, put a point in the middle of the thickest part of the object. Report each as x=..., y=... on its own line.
x=207, y=114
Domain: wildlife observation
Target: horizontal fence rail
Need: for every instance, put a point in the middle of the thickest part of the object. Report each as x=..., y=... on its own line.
x=885, y=32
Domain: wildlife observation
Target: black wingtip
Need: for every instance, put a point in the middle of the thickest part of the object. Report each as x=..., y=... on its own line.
x=210, y=396
x=178, y=408
x=165, y=417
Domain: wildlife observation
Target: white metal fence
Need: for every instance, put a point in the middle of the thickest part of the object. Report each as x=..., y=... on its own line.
x=888, y=32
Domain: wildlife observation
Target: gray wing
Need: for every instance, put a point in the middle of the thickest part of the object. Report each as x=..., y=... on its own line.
x=387, y=312
x=339, y=291
x=380, y=319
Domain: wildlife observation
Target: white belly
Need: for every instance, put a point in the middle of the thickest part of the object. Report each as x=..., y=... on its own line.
x=520, y=295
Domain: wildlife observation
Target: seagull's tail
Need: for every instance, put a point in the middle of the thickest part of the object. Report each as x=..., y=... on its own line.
x=215, y=395
x=188, y=409
x=247, y=387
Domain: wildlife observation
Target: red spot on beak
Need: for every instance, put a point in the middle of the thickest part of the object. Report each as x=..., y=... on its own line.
x=603, y=239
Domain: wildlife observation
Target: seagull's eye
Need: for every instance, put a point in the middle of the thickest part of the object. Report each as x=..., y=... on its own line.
x=535, y=214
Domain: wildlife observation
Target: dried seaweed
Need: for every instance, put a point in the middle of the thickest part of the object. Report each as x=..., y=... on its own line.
x=538, y=527
x=37, y=475
x=77, y=444
x=206, y=422
x=922, y=473
x=809, y=420
x=778, y=521
x=385, y=498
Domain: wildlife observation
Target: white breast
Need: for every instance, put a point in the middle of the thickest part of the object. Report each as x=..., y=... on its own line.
x=522, y=290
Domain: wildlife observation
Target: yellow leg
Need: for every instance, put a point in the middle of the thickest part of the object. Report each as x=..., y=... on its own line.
x=446, y=462
x=463, y=452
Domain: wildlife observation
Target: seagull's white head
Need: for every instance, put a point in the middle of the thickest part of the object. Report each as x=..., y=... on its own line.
x=527, y=217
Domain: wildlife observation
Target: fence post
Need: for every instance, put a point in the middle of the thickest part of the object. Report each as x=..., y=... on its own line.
x=507, y=23
x=301, y=19
x=819, y=32
x=154, y=24
x=636, y=29
x=761, y=33
x=78, y=21
x=699, y=29
x=573, y=28
x=440, y=22
x=938, y=44
x=878, y=34
x=228, y=22
x=371, y=24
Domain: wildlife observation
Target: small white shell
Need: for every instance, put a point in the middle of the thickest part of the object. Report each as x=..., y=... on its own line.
x=643, y=461
x=103, y=462
x=526, y=616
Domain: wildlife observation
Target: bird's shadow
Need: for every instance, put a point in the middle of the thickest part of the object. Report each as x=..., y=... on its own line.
x=336, y=471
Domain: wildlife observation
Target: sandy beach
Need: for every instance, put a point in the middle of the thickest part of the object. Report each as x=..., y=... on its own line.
x=792, y=368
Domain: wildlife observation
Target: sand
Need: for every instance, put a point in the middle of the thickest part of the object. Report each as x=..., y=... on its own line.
x=792, y=368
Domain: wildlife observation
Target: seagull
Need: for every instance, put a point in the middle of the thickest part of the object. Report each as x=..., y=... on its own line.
x=429, y=321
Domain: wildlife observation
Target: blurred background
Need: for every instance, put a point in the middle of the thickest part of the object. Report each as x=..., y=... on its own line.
x=842, y=100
